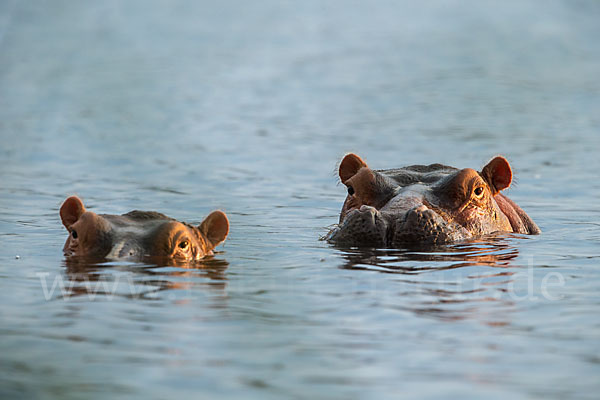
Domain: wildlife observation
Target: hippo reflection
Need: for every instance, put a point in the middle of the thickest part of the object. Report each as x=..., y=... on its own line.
x=139, y=233
x=428, y=204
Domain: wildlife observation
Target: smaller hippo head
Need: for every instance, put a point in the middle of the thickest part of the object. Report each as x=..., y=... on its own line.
x=138, y=234
x=426, y=203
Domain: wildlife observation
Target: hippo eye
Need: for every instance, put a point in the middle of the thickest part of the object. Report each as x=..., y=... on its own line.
x=184, y=244
x=74, y=234
x=350, y=190
x=478, y=191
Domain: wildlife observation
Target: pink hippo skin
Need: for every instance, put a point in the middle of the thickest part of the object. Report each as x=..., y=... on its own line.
x=138, y=234
x=429, y=204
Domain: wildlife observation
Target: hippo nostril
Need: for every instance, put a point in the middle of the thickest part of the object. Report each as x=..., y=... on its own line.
x=128, y=252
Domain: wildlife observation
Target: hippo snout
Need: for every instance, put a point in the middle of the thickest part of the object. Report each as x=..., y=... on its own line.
x=419, y=224
x=424, y=225
x=367, y=221
x=125, y=249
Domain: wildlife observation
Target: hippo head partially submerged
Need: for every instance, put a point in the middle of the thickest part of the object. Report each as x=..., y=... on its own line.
x=138, y=234
x=428, y=204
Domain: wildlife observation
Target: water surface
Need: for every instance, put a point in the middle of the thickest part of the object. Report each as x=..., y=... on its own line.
x=184, y=107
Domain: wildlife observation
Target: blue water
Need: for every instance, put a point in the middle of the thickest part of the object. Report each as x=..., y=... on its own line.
x=184, y=107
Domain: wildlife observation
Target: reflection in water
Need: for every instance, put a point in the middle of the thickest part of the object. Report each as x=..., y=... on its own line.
x=450, y=282
x=99, y=277
x=492, y=251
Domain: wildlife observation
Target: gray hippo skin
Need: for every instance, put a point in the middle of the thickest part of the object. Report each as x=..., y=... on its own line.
x=425, y=204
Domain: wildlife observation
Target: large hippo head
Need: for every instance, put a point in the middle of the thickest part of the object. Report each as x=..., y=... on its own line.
x=425, y=204
x=139, y=234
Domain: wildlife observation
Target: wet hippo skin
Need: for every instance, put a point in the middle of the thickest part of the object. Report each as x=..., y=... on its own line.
x=428, y=204
x=139, y=233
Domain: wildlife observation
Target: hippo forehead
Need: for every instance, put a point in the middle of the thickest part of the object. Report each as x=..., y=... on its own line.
x=435, y=184
x=426, y=174
x=144, y=225
x=137, y=217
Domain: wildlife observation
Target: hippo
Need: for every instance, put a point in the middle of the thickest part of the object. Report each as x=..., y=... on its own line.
x=425, y=204
x=138, y=234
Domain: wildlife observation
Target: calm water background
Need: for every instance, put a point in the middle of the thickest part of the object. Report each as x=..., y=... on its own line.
x=183, y=107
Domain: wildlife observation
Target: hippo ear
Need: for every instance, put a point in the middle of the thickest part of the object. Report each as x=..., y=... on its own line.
x=497, y=174
x=71, y=210
x=215, y=227
x=350, y=165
